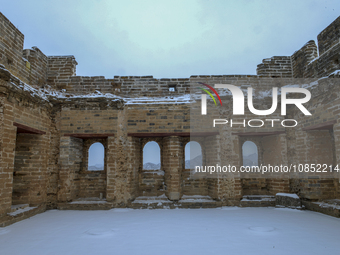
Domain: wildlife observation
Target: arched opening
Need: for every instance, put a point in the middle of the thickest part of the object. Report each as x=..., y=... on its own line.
x=250, y=154
x=96, y=157
x=151, y=156
x=193, y=155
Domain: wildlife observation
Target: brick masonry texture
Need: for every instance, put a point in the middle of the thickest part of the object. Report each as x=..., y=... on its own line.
x=50, y=117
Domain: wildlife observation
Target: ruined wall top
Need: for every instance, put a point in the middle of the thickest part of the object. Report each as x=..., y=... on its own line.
x=329, y=37
x=306, y=62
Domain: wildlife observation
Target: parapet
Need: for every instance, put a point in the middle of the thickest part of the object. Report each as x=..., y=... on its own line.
x=276, y=67
x=329, y=37
x=305, y=62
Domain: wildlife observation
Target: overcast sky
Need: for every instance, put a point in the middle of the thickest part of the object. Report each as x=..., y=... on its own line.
x=175, y=38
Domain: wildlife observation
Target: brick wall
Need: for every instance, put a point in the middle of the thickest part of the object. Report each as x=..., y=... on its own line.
x=60, y=69
x=30, y=65
x=30, y=175
x=92, y=183
x=277, y=66
x=329, y=36
x=84, y=117
x=11, y=45
x=71, y=155
x=8, y=137
x=57, y=159
x=37, y=70
x=23, y=157
x=302, y=58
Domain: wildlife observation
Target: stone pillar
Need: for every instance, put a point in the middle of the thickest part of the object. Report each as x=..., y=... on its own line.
x=71, y=156
x=7, y=153
x=120, y=166
x=134, y=155
x=172, y=162
x=110, y=168
x=229, y=188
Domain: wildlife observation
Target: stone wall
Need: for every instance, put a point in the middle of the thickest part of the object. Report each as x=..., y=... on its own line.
x=45, y=137
x=37, y=67
x=71, y=155
x=329, y=37
x=26, y=130
x=302, y=58
x=12, y=42
x=276, y=67
x=60, y=69
x=29, y=65
x=92, y=183
x=29, y=175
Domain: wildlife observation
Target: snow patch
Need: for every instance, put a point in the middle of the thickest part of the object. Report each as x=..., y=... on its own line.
x=288, y=209
x=287, y=195
x=21, y=211
x=208, y=231
x=181, y=99
x=4, y=231
x=121, y=210
x=336, y=72
x=229, y=208
x=99, y=232
x=88, y=202
x=334, y=204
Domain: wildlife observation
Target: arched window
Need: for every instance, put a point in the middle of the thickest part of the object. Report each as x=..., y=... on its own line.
x=151, y=156
x=250, y=154
x=96, y=157
x=193, y=155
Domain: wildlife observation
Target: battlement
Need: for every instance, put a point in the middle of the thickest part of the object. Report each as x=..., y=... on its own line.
x=305, y=62
x=329, y=37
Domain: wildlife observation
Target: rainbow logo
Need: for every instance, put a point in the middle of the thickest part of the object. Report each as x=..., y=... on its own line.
x=204, y=97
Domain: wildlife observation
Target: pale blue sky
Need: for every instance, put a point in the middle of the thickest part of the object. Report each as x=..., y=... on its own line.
x=249, y=148
x=151, y=153
x=96, y=154
x=175, y=38
x=192, y=150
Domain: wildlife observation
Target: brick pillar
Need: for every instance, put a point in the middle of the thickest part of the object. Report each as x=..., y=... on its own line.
x=110, y=168
x=71, y=156
x=133, y=166
x=172, y=162
x=7, y=152
x=280, y=184
x=229, y=187
x=120, y=164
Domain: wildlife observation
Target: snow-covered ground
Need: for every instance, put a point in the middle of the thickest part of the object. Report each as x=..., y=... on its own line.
x=228, y=230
